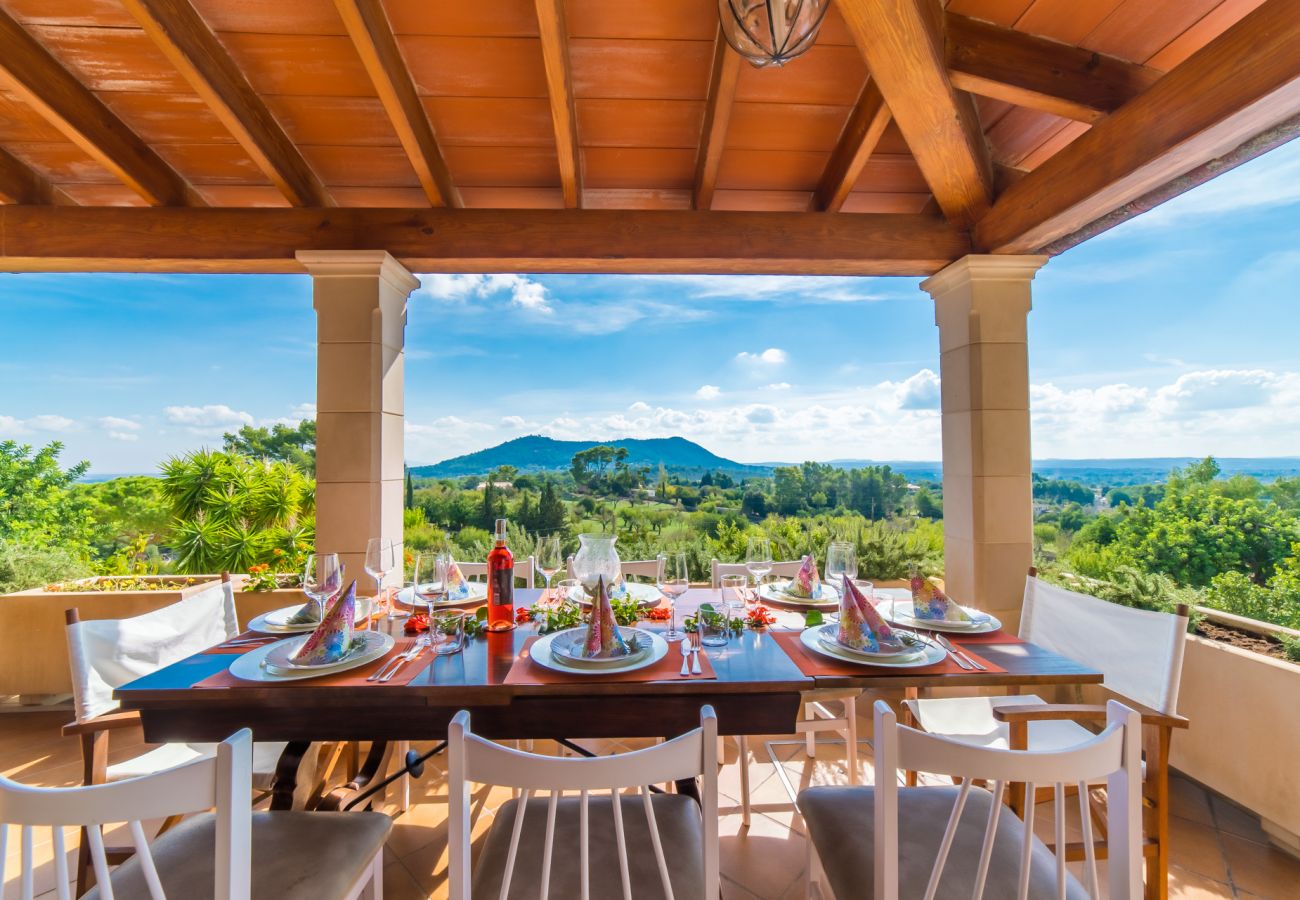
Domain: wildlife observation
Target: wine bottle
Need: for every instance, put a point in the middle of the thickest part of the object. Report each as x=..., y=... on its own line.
x=501, y=583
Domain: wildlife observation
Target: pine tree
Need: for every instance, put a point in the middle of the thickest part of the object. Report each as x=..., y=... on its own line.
x=550, y=511
x=410, y=491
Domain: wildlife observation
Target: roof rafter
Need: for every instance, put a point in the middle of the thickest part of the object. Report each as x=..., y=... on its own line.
x=1038, y=73
x=372, y=35
x=862, y=132
x=1241, y=84
x=559, y=83
x=717, y=116
x=189, y=44
x=903, y=45
x=57, y=238
x=20, y=183
x=63, y=101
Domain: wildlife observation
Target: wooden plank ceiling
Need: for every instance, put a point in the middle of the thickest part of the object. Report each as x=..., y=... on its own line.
x=903, y=107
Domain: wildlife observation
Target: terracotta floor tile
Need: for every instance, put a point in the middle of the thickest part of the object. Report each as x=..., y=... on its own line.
x=400, y=885
x=1261, y=869
x=1189, y=801
x=1196, y=848
x=764, y=859
x=1187, y=885
x=1232, y=819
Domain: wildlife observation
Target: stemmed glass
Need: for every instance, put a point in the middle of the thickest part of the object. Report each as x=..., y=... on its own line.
x=758, y=560
x=674, y=582
x=548, y=559
x=381, y=558
x=841, y=560
x=322, y=578
x=430, y=578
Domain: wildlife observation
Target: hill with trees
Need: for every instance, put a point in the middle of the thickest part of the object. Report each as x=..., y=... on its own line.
x=535, y=453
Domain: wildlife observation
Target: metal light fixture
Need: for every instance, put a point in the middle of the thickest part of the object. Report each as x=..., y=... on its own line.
x=771, y=32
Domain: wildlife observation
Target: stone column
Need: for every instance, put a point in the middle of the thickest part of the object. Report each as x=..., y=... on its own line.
x=980, y=305
x=360, y=299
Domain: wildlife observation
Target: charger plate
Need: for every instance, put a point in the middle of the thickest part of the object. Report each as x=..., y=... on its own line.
x=252, y=666
x=827, y=597
x=828, y=635
x=810, y=638
x=269, y=622
x=646, y=594
x=477, y=597
x=900, y=611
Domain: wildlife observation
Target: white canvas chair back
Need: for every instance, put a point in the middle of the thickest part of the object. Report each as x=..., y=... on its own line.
x=471, y=759
x=476, y=570
x=223, y=781
x=783, y=569
x=108, y=653
x=651, y=570
x=1140, y=652
x=1115, y=755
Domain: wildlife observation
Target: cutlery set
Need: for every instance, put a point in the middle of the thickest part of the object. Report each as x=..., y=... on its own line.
x=386, y=672
x=690, y=656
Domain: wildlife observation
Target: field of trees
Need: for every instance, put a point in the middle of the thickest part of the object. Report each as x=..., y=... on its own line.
x=1232, y=543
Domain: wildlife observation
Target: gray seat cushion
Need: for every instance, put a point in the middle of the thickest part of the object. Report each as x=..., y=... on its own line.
x=680, y=830
x=296, y=856
x=840, y=823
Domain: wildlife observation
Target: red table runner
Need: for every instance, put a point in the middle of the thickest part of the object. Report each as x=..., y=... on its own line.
x=351, y=678
x=816, y=665
x=524, y=671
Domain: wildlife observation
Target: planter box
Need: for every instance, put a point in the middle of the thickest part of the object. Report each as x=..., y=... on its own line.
x=1245, y=728
x=35, y=660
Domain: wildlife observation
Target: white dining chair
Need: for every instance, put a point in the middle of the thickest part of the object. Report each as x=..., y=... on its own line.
x=961, y=841
x=596, y=842
x=229, y=854
x=105, y=654
x=815, y=716
x=1141, y=655
x=651, y=570
x=523, y=571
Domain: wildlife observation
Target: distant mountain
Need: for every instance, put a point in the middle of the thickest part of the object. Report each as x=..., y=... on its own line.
x=538, y=454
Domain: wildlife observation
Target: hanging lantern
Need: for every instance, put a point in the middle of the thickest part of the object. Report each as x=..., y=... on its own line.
x=771, y=32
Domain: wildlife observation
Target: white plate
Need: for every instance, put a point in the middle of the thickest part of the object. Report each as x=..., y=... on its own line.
x=281, y=658
x=827, y=634
x=900, y=611
x=933, y=653
x=646, y=594
x=775, y=592
x=560, y=644
x=249, y=666
x=477, y=597
x=541, y=654
x=266, y=622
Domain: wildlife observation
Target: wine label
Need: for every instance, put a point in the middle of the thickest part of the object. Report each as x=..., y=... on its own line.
x=503, y=587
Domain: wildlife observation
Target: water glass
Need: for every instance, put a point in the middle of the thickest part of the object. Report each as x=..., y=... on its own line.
x=715, y=626
x=758, y=559
x=548, y=559
x=841, y=560
x=674, y=582
x=569, y=589
x=381, y=558
x=322, y=578
x=734, y=594
x=447, y=631
x=431, y=578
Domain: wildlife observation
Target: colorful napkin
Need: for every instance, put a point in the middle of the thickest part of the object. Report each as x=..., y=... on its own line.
x=603, y=638
x=308, y=615
x=332, y=639
x=861, y=626
x=930, y=603
x=457, y=584
x=618, y=588
x=806, y=580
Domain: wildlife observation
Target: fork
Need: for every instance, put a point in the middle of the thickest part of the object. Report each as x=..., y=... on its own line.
x=695, y=653
x=395, y=663
x=415, y=654
x=962, y=659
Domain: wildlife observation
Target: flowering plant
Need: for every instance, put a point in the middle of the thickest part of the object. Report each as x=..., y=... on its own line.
x=261, y=578
x=759, y=617
x=475, y=625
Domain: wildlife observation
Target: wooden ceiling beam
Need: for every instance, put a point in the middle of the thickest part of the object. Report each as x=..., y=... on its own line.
x=866, y=125
x=903, y=45
x=54, y=238
x=189, y=44
x=20, y=183
x=372, y=35
x=57, y=96
x=559, y=84
x=1241, y=84
x=717, y=116
x=1038, y=73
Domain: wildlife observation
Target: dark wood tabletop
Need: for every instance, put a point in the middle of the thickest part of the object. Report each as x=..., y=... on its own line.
x=756, y=692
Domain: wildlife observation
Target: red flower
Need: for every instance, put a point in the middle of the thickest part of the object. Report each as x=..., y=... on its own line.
x=523, y=615
x=416, y=623
x=659, y=614
x=759, y=617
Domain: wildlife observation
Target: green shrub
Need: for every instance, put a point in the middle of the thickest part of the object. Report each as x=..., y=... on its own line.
x=1291, y=647
x=1234, y=593
x=23, y=567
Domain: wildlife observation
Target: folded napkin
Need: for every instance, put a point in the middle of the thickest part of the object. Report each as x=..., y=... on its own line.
x=603, y=638
x=618, y=588
x=457, y=584
x=309, y=614
x=806, y=580
x=930, y=603
x=861, y=626
x=332, y=638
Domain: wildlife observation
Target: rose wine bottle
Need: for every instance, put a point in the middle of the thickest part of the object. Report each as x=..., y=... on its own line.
x=501, y=583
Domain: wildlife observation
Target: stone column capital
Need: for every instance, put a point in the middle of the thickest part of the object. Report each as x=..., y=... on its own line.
x=983, y=267
x=353, y=263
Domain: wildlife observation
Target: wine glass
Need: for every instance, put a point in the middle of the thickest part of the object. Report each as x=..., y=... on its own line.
x=381, y=558
x=674, y=582
x=758, y=559
x=841, y=561
x=322, y=578
x=430, y=578
x=548, y=559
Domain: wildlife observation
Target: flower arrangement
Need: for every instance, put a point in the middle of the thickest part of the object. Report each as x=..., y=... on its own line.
x=759, y=617
x=475, y=626
x=121, y=583
x=709, y=615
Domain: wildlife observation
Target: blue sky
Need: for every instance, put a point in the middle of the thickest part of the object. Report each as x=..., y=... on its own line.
x=1174, y=334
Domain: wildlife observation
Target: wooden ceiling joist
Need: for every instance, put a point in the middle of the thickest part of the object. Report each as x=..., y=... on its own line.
x=58, y=238
x=58, y=97
x=1242, y=83
x=717, y=116
x=866, y=124
x=189, y=44
x=1040, y=74
x=19, y=183
x=372, y=34
x=559, y=84
x=903, y=45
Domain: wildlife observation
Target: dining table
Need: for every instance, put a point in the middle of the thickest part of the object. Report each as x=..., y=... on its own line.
x=754, y=683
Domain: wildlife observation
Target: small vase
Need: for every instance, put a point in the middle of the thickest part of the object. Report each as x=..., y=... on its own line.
x=596, y=558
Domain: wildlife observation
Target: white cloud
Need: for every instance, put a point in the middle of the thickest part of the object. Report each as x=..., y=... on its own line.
x=302, y=411
x=115, y=423
x=784, y=288
x=706, y=392
x=920, y=391
x=512, y=421
x=124, y=436
x=1217, y=389
x=51, y=423
x=213, y=417
x=772, y=356
x=639, y=406
x=778, y=386
x=524, y=292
